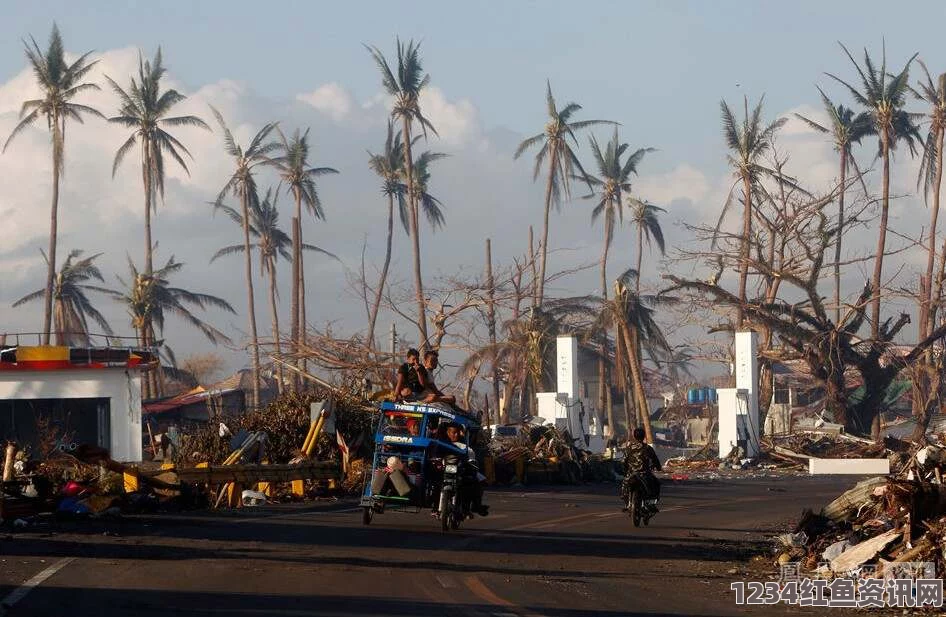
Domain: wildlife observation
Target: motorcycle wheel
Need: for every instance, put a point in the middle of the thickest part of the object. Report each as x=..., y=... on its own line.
x=634, y=509
x=446, y=515
x=366, y=515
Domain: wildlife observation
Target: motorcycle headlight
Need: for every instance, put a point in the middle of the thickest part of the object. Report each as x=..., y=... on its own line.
x=450, y=469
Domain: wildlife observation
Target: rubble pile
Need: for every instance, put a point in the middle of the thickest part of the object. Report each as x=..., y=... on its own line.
x=546, y=454
x=880, y=524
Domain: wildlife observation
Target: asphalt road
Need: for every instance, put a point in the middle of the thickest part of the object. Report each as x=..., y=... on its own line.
x=542, y=552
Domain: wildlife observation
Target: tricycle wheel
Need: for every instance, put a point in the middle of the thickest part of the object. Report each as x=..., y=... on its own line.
x=366, y=515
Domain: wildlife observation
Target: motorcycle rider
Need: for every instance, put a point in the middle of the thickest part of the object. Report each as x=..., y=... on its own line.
x=469, y=482
x=640, y=458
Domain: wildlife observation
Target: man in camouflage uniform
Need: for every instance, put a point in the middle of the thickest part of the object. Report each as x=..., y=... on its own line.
x=639, y=457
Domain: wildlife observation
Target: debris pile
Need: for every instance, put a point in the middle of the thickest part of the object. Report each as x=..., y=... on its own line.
x=545, y=454
x=879, y=525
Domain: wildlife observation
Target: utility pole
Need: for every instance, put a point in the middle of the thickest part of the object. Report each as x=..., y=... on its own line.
x=491, y=323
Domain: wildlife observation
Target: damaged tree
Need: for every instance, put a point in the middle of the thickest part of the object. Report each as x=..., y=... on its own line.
x=804, y=329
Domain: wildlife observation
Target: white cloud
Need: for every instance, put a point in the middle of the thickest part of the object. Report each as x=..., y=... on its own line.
x=682, y=182
x=331, y=99
x=457, y=123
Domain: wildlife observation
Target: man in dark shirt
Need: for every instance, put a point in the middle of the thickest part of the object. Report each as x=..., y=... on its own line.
x=412, y=378
x=640, y=458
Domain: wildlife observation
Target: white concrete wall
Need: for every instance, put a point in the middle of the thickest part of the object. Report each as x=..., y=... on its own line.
x=121, y=386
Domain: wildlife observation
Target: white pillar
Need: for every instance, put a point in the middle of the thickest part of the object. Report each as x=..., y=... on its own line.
x=747, y=378
x=567, y=367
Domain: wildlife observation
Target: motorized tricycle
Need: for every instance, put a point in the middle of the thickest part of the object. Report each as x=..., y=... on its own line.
x=417, y=466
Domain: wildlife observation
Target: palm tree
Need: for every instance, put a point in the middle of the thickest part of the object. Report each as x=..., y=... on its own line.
x=272, y=242
x=71, y=307
x=432, y=206
x=644, y=215
x=242, y=185
x=846, y=129
x=389, y=166
x=406, y=87
x=632, y=315
x=613, y=181
x=931, y=176
x=883, y=98
x=295, y=172
x=748, y=143
x=144, y=109
x=149, y=298
x=562, y=162
x=60, y=83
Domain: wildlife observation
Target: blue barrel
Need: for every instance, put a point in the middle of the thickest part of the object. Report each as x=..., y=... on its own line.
x=709, y=394
x=692, y=395
x=700, y=395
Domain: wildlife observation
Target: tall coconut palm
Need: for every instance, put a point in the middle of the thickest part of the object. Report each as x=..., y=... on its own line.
x=612, y=182
x=272, y=243
x=149, y=298
x=846, y=129
x=405, y=86
x=242, y=185
x=60, y=83
x=389, y=166
x=555, y=148
x=71, y=307
x=748, y=143
x=883, y=97
x=645, y=217
x=633, y=316
x=144, y=108
x=292, y=163
x=931, y=177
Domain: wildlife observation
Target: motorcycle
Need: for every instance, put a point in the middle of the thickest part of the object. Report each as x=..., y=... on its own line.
x=451, y=505
x=641, y=502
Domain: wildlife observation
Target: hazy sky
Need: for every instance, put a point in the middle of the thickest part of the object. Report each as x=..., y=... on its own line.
x=658, y=68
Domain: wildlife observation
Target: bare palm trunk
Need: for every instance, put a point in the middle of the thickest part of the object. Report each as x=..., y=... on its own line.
x=744, y=248
x=147, y=182
x=602, y=364
x=415, y=234
x=275, y=314
x=491, y=323
x=251, y=304
x=53, y=231
x=294, y=302
x=881, y=241
x=545, y=223
x=303, y=322
x=640, y=256
x=632, y=343
x=837, y=246
x=535, y=274
x=926, y=382
x=372, y=320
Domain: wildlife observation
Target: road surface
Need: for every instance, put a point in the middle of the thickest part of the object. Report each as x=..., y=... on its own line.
x=552, y=552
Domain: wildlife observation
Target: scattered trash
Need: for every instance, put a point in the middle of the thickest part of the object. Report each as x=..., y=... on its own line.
x=253, y=498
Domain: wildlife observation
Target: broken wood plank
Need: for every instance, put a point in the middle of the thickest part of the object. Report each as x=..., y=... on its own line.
x=251, y=474
x=863, y=552
x=847, y=504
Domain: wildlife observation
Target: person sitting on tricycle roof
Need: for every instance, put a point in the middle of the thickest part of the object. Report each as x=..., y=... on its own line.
x=412, y=378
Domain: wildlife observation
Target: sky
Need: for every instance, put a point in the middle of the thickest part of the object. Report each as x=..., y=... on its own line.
x=657, y=68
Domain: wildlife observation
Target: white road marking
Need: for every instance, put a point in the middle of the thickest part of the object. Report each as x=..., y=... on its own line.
x=446, y=583
x=23, y=590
